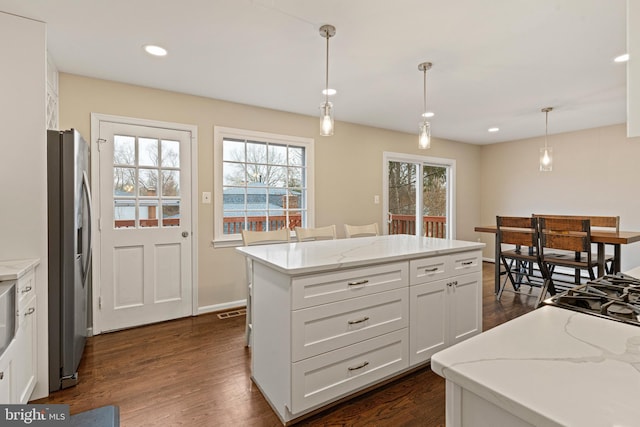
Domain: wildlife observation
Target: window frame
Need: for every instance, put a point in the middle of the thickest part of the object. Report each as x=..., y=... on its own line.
x=421, y=161
x=219, y=134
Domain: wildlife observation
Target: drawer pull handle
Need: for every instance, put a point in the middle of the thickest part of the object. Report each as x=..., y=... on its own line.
x=353, y=322
x=359, y=282
x=30, y=311
x=467, y=263
x=27, y=289
x=355, y=368
x=431, y=270
x=1, y=375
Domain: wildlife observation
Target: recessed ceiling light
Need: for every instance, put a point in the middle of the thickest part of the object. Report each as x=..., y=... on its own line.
x=428, y=114
x=493, y=129
x=155, y=50
x=329, y=92
x=622, y=58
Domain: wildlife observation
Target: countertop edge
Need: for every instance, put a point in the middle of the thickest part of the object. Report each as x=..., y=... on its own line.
x=16, y=268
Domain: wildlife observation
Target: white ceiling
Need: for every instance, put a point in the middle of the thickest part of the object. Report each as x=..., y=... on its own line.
x=495, y=62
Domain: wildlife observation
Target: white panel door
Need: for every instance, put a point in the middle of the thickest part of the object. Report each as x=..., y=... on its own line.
x=145, y=226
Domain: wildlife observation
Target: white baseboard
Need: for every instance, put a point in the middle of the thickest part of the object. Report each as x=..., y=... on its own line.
x=487, y=259
x=222, y=307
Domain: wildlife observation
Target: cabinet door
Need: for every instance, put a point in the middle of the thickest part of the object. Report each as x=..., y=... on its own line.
x=428, y=313
x=5, y=379
x=465, y=305
x=25, y=360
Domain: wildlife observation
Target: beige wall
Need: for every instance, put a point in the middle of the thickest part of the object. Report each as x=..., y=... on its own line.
x=348, y=165
x=595, y=172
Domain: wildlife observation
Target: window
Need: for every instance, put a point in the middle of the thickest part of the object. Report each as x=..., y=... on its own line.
x=419, y=195
x=262, y=182
x=146, y=182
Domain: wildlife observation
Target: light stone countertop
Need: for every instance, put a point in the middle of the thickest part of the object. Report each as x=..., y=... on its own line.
x=326, y=255
x=14, y=269
x=553, y=367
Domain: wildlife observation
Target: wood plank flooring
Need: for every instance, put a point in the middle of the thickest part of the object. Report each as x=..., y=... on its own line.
x=196, y=372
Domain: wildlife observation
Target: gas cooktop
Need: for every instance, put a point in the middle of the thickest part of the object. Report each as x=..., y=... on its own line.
x=615, y=297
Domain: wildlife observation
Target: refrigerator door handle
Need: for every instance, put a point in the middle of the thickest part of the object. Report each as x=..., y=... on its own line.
x=87, y=191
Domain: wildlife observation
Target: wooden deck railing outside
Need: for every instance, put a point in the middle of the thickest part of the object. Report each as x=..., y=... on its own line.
x=434, y=226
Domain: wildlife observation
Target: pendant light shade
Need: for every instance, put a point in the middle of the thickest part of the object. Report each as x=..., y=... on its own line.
x=326, y=108
x=424, y=138
x=546, y=152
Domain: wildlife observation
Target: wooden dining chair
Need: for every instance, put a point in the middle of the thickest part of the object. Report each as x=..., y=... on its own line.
x=252, y=238
x=566, y=242
x=605, y=223
x=518, y=243
x=318, y=233
x=361, y=230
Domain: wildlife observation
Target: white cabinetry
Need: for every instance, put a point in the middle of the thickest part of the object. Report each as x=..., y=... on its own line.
x=321, y=336
x=445, y=302
x=18, y=363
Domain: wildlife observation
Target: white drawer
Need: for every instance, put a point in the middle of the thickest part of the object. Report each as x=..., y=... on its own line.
x=324, y=288
x=327, y=327
x=465, y=262
x=329, y=376
x=429, y=269
x=26, y=288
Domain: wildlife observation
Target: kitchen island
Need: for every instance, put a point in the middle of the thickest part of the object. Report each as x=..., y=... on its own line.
x=550, y=367
x=332, y=318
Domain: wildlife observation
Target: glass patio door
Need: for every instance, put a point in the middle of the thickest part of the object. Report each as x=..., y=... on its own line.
x=418, y=196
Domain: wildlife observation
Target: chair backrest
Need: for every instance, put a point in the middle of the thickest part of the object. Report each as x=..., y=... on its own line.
x=564, y=233
x=250, y=238
x=609, y=222
x=361, y=230
x=319, y=233
x=519, y=231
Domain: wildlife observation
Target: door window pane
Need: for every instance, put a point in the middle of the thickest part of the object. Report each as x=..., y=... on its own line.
x=124, y=180
x=402, y=198
x=171, y=213
x=434, y=197
x=124, y=150
x=124, y=213
x=170, y=183
x=148, y=212
x=147, y=152
x=170, y=154
x=148, y=182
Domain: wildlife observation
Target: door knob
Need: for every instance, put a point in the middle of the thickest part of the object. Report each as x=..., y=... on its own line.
x=185, y=234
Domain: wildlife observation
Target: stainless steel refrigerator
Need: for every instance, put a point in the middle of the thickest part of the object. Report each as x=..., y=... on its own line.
x=69, y=201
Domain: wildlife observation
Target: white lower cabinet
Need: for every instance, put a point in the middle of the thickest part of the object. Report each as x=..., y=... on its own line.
x=18, y=363
x=443, y=313
x=320, y=337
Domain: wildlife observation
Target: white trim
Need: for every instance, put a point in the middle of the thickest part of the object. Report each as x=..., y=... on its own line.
x=221, y=307
x=219, y=133
x=96, y=119
x=450, y=164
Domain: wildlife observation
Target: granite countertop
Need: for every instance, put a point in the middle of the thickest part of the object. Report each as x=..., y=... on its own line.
x=14, y=269
x=552, y=367
x=309, y=257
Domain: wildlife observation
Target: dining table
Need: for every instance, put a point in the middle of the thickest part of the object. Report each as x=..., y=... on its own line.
x=599, y=237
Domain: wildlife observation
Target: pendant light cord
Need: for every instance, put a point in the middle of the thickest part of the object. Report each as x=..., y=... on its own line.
x=326, y=88
x=425, y=92
x=546, y=128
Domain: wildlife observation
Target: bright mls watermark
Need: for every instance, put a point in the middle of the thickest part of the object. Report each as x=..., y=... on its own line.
x=34, y=415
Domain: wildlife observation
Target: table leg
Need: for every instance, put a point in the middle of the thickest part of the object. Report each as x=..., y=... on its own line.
x=601, y=271
x=497, y=268
x=617, y=261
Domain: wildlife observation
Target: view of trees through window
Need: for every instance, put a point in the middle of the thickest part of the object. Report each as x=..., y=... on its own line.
x=263, y=185
x=403, y=186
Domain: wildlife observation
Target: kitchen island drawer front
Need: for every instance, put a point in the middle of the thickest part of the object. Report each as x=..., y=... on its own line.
x=466, y=262
x=429, y=269
x=329, y=376
x=324, y=288
x=327, y=327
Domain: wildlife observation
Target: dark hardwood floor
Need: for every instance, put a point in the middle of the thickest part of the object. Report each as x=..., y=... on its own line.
x=196, y=372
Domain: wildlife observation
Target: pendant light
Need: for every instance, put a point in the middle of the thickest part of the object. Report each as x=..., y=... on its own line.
x=546, y=152
x=424, y=138
x=326, y=108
